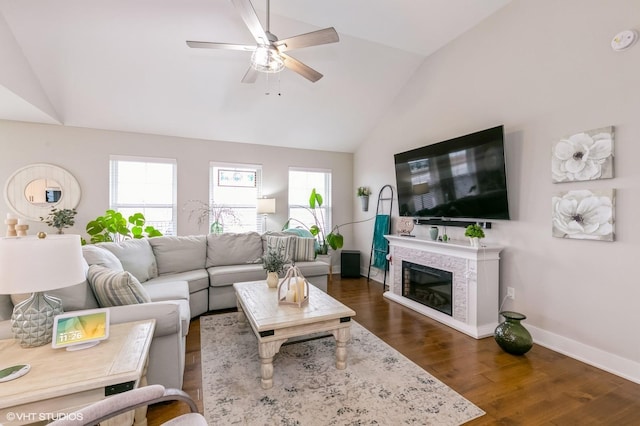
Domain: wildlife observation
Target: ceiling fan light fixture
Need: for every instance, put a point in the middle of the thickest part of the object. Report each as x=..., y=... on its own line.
x=267, y=59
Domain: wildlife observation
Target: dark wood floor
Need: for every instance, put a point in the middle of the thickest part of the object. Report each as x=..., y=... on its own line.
x=541, y=387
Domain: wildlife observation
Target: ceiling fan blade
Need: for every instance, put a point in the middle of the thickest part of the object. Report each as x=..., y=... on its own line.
x=315, y=38
x=250, y=76
x=248, y=15
x=302, y=69
x=227, y=46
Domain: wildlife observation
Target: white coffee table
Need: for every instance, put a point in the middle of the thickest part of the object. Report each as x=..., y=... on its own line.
x=274, y=324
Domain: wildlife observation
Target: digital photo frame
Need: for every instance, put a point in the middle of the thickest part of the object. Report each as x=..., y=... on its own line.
x=80, y=329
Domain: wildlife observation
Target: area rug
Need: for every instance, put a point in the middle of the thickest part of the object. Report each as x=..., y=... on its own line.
x=379, y=386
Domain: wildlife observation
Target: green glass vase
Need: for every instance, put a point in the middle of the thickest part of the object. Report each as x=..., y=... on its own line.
x=216, y=228
x=511, y=335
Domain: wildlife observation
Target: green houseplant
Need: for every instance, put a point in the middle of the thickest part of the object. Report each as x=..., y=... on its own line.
x=112, y=226
x=474, y=232
x=332, y=239
x=60, y=219
x=273, y=262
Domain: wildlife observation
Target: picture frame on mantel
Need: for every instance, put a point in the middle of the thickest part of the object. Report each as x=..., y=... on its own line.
x=583, y=156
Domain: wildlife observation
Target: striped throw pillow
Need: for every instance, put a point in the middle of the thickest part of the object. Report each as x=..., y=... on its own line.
x=115, y=288
x=305, y=249
x=284, y=244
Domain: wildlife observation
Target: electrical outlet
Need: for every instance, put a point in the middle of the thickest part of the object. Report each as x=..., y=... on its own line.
x=511, y=292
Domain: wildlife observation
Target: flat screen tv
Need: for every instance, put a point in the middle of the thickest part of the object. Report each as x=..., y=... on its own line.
x=460, y=178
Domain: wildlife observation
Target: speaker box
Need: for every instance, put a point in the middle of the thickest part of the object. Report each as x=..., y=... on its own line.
x=350, y=264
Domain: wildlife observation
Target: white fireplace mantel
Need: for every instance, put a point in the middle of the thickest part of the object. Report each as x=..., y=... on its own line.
x=475, y=280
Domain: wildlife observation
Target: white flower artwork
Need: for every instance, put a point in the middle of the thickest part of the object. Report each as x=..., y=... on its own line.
x=584, y=214
x=583, y=156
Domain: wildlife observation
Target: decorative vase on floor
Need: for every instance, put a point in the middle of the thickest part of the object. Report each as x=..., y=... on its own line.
x=511, y=335
x=272, y=279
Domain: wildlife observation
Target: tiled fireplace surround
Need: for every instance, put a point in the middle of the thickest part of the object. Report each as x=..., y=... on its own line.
x=475, y=281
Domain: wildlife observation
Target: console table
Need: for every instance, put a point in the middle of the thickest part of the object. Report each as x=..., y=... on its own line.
x=63, y=381
x=475, y=270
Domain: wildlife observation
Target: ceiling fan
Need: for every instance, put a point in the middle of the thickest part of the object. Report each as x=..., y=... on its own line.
x=269, y=53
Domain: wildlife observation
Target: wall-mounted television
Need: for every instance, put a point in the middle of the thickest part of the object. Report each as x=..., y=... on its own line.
x=460, y=178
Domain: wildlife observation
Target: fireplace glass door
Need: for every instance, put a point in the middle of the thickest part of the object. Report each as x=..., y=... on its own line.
x=429, y=286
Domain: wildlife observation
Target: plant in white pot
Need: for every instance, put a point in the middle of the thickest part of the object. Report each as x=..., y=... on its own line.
x=273, y=262
x=474, y=232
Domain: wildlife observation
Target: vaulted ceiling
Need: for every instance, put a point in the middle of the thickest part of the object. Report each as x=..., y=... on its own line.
x=124, y=65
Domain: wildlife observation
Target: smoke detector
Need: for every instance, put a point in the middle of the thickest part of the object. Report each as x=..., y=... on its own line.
x=624, y=40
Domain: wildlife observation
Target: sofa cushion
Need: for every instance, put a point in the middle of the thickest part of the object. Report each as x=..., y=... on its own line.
x=114, y=288
x=233, y=249
x=305, y=249
x=168, y=290
x=136, y=257
x=94, y=255
x=197, y=279
x=179, y=254
x=287, y=244
x=77, y=297
x=312, y=269
x=220, y=276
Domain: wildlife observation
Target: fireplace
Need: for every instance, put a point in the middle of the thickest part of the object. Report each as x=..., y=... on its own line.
x=429, y=286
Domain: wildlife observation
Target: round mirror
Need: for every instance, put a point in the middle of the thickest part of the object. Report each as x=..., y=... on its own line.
x=43, y=192
x=32, y=190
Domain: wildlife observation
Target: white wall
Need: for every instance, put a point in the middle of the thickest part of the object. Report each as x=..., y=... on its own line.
x=544, y=69
x=85, y=154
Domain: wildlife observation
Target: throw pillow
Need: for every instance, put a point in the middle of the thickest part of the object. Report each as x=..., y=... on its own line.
x=113, y=288
x=136, y=257
x=287, y=244
x=305, y=250
x=94, y=255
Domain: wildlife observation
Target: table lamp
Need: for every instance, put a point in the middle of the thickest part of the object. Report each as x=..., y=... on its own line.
x=266, y=206
x=36, y=264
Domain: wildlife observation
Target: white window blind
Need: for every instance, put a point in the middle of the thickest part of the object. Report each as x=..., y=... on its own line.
x=301, y=182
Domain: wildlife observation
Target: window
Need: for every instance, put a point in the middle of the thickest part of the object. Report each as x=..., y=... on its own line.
x=145, y=185
x=301, y=182
x=234, y=193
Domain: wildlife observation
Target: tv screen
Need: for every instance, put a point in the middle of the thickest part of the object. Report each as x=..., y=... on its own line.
x=461, y=178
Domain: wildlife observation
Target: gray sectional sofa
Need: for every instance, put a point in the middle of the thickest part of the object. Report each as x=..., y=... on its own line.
x=183, y=277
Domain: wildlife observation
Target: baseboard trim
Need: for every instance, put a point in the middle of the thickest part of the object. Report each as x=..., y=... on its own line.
x=598, y=358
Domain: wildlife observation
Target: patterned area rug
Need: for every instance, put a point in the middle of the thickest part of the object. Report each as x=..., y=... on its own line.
x=379, y=386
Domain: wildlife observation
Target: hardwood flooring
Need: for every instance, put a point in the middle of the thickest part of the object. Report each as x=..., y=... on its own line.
x=540, y=388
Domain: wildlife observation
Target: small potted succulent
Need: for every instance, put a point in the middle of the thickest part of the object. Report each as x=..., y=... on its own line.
x=273, y=262
x=60, y=219
x=474, y=232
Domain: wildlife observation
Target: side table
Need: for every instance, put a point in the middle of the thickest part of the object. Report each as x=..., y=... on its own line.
x=63, y=381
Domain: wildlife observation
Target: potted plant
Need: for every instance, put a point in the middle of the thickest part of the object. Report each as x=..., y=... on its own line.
x=217, y=213
x=474, y=232
x=273, y=262
x=364, y=192
x=60, y=219
x=112, y=226
x=332, y=239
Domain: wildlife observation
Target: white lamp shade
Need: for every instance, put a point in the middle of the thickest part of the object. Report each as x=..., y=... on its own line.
x=266, y=205
x=30, y=264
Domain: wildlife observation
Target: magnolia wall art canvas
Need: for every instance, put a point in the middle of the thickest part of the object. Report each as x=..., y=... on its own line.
x=583, y=156
x=584, y=214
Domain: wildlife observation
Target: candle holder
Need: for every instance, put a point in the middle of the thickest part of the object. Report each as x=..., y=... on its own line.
x=21, y=230
x=11, y=223
x=293, y=290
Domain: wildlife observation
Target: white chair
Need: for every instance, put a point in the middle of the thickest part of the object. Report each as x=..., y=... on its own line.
x=127, y=401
